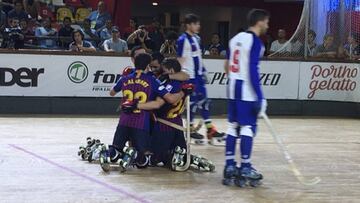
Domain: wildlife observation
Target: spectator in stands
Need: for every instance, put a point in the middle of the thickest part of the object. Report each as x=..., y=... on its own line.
x=32, y=8
x=327, y=49
x=115, y=43
x=213, y=52
x=131, y=28
x=296, y=47
x=2, y=19
x=215, y=43
x=46, y=35
x=79, y=44
x=7, y=5
x=352, y=48
x=99, y=17
x=65, y=33
x=18, y=11
x=89, y=33
x=140, y=38
x=27, y=32
x=156, y=34
x=169, y=46
x=280, y=45
x=311, y=47
x=106, y=32
x=13, y=36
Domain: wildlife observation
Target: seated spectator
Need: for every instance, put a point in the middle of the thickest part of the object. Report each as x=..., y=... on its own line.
x=156, y=34
x=106, y=32
x=296, y=47
x=13, y=36
x=215, y=43
x=2, y=20
x=327, y=49
x=79, y=44
x=18, y=11
x=27, y=31
x=352, y=48
x=140, y=38
x=99, y=17
x=89, y=33
x=131, y=28
x=214, y=52
x=32, y=8
x=280, y=45
x=65, y=33
x=169, y=46
x=115, y=43
x=46, y=35
x=311, y=47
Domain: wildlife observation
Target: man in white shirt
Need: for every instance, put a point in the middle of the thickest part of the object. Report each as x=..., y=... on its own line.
x=280, y=45
x=115, y=44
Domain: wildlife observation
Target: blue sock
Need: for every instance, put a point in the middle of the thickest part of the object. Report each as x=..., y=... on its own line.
x=245, y=149
x=230, y=150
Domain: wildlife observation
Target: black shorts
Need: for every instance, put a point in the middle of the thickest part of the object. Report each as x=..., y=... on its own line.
x=140, y=139
x=163, y=142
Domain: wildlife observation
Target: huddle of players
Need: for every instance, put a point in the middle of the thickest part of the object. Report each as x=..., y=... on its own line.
x=146, y=98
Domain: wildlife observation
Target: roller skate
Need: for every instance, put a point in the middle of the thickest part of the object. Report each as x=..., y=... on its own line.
x=178, y=159
x=104, y=157
x=83, y=151
x=197, y=138
x=248, y=175
x=229, y=174
x=203, y=163
x=93, y=151
x=128, y=158
x=215, y=138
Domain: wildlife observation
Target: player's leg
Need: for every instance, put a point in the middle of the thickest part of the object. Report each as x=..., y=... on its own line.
x=213, y=135
x=230, y=170
x=178, y=149
x=247, y=116
x=161, y=147
x=198, y=138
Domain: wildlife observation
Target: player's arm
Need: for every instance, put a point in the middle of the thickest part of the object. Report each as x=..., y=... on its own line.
x=116, y=88
x=180, y=45
x=254, y=69
x=151, y=105
x=226, y=64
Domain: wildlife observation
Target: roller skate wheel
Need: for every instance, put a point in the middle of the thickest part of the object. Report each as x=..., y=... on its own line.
x=254, y=183
x=226, y=182
x=97, y=141
x=240, y=182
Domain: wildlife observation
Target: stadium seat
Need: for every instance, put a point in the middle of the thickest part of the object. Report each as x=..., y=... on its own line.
x=45, y=12
x=73, y=3
x=81, y=14
x=64, y=12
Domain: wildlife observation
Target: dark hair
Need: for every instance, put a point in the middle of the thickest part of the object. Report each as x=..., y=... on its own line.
x=87, y=20
x=67, y=18
x=19, y=2
x=171, y=63
x=77, y=31
x=312, y=32
x=171, y=35
x=191, y=18
x=142, y=61
x=157, y=56
x=133, y=50
x=256, y=15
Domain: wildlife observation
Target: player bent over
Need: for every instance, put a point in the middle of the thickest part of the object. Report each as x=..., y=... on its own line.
x=134, y=124
x=168, y=144
x=246, y=100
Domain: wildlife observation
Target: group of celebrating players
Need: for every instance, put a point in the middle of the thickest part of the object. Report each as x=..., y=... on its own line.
x=157, y=88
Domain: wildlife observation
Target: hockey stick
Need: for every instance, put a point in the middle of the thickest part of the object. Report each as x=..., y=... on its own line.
x=173, y=125
x=288, y=157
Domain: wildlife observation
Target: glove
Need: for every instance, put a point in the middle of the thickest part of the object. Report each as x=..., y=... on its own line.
x=260, y=107
x=127, y=71
x=129, y=106
x=164, y=78
x=188, y=88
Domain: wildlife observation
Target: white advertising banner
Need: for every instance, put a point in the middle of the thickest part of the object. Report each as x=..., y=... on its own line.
x=330, y=81
x=279, y=79
x=93, y=76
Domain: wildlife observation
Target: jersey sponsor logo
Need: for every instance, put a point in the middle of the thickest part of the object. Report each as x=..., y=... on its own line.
x=169, y=87
x=78, y=72
x=23, y=77
x=332, y=78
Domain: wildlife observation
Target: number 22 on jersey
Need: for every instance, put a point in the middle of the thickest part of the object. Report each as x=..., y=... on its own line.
x=140, y=96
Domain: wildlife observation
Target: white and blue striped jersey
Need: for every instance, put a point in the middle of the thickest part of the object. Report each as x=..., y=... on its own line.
x=188, y=47
x=245, y=51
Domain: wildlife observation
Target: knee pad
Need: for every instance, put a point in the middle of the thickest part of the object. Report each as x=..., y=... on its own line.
x=247, y=130
x=232, y=129
x=205, y=104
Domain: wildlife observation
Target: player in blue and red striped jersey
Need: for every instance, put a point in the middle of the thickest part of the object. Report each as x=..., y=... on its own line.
x=166, y=139
x=134, y=124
